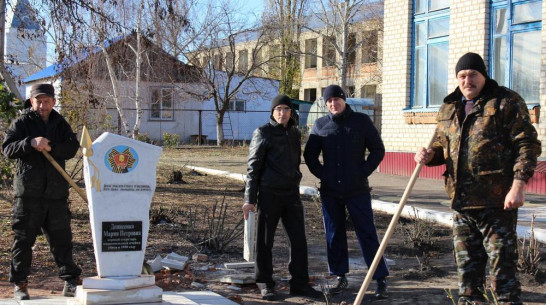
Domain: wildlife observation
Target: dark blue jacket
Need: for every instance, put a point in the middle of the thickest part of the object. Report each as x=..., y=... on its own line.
x=35, y=177
x=343, y=140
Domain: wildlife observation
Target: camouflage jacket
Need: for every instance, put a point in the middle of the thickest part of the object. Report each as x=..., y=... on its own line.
x=484, y=152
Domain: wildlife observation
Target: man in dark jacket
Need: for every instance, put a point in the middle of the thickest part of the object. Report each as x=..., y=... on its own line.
x=273, y=179
x=41, y=192
x=343, y=137
x=485, y=138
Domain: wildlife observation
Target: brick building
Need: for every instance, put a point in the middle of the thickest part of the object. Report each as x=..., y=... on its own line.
x=422, y=41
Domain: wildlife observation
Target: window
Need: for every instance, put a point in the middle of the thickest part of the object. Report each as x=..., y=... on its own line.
x=205, y=61
x=515, y=54
x=310, y=94
x=351, y=42
x=431, y=50
x=161, y=103
x=368, y=91
x=257, y=61
x=369, y=47
x=229, y=61
x=310, y=53
x=237, y=105
x=328, y=51
x=243, y=61
x=275, y=61
x=350, y=91
x=217, y=63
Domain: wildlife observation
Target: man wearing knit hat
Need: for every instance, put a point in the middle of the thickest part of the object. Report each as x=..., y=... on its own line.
x=41, y=193
x=485, y=138
x=343, y=137
x=272, y=183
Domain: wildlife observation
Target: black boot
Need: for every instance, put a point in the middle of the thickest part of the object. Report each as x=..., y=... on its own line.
x=381, y=292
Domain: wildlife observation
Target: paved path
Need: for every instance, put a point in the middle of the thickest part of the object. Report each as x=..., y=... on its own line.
x=428, y=195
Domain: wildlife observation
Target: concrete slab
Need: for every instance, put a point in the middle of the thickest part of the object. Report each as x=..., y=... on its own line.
x=169, y=298
x=118, y=282
x=242, y=279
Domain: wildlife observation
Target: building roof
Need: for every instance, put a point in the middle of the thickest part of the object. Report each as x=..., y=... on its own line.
x=116, y=46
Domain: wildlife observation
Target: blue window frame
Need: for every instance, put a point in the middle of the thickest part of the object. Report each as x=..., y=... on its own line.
x=430, y=52
x=516, y=27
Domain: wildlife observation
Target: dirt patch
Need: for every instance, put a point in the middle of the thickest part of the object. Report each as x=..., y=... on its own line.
x=182, y=213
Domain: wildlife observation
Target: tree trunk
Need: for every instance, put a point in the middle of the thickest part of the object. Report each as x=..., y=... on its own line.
x=219, y=128
x=115, y=89
x=138, y=55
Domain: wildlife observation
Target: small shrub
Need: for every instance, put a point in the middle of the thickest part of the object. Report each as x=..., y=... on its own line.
x=529, y=252
x=143, y=137
x=170, y=139
x=420, y=233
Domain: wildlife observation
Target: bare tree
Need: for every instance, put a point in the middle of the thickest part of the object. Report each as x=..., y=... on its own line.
x=338, y=24
x=285, y=20
x=222, y=73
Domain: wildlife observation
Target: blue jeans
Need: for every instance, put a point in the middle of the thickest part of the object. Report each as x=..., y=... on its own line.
x=360, y=210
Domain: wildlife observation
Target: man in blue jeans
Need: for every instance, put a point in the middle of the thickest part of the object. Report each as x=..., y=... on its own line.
x=343, y=136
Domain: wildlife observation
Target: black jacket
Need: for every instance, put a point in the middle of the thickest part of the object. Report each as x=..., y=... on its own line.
x=34, y=175
x=274, y=159
x=343, y=140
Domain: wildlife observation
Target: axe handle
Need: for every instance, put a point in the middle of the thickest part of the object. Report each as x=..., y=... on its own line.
x=389, y=232
x=65, y=175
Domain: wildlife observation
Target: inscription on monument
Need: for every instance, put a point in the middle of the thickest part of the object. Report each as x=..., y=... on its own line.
x=121, y=236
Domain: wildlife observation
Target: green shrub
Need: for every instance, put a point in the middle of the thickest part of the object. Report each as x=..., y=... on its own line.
x=170, y=139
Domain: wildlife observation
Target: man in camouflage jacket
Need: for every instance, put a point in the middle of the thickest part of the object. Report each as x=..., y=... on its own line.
x=489, y=146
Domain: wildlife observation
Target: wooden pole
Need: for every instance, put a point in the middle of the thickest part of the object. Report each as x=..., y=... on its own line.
x=65, y=175
x=390, y=231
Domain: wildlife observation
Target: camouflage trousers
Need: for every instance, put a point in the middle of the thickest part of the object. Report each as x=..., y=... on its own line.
x=481, y=234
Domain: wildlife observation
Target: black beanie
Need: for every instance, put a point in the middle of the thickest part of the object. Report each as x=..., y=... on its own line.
x=333, y=91
x=281, y=99
x=471, y=61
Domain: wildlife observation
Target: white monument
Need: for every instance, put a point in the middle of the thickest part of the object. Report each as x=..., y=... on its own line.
x=120, y=180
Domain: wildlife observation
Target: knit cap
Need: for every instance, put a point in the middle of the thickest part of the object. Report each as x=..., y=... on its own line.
x=471, y=61
x=333, y=91
x=281, y=99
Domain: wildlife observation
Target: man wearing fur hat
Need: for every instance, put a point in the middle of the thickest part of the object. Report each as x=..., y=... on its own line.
x=272, y=183
x=486, y=140
x=343, y=137
x=41, y=193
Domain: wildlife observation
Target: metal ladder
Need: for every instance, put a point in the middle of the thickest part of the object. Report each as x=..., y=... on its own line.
x=227, y=127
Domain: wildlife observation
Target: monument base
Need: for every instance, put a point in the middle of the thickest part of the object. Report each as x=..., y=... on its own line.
x=118, y=282
x=118, y=290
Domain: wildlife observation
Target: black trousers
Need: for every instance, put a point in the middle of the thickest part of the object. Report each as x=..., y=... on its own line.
x=30, y=215
x=287, y=207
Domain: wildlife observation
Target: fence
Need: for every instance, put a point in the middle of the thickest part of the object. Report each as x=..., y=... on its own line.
x=197, y=126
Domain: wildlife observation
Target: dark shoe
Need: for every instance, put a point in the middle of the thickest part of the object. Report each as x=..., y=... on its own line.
x=340, y=285
x=381, y=292
x=21, y=291
x=70, y=286
x=269, y=294
x=306, y=291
